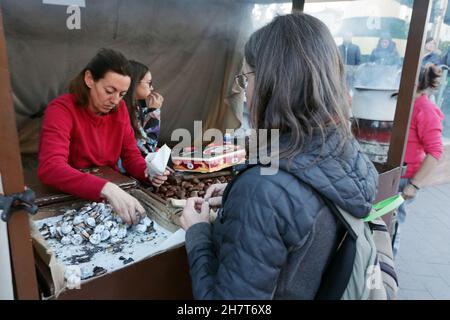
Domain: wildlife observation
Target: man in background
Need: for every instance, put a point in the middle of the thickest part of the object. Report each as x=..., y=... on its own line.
x=351, y=56
x=350, y=53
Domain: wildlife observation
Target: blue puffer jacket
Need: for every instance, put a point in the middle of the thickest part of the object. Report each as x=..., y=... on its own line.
x=274, y=236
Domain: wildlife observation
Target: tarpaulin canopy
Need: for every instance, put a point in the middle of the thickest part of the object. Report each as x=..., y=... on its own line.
x=193, y=48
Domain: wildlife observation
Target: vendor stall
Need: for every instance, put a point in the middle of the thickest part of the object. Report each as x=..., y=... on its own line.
x=194, y=55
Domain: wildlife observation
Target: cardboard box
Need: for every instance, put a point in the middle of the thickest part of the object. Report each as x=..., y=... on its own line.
x=163, y=274
x=214, y=157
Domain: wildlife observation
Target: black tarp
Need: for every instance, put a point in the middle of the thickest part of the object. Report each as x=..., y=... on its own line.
x=193, y=49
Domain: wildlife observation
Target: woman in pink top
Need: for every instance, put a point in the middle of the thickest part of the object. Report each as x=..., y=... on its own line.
x=424, y=147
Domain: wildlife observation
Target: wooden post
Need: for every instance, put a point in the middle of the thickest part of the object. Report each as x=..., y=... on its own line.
x=6, y=287
x=24, y=274
x=298, y=5
x=407, y=92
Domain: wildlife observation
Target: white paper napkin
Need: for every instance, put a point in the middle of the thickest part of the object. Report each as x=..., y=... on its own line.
x=157, y=161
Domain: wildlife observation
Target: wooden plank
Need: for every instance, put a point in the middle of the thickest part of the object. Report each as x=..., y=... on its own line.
x=25, y=282
x=165, y=276
x=298, y=5
x=388, y=182
x=405, y=101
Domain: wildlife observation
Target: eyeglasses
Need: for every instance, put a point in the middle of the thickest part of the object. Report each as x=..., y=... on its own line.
x=149, y=83
x=242, y=79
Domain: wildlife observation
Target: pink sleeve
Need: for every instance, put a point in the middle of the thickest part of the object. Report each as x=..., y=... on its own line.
x=53, y=168
x=132, y=159
x=429, y=131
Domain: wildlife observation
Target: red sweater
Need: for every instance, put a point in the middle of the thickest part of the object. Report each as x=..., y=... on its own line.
x=75, y=138
x=425, y=135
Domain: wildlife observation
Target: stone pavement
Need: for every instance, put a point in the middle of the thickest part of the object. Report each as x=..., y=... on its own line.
x=423, y=261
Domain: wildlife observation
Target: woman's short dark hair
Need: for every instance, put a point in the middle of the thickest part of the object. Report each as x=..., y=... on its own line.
x=299, y=80
x=429, y=77
x=138, y=71
x=104, y=61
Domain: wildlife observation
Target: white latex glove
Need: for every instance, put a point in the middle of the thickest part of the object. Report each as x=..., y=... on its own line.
x=128, y=207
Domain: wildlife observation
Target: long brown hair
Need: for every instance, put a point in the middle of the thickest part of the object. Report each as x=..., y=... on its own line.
x=104, y=61
x=138, y=71
x=429, y=77
x=299, y=80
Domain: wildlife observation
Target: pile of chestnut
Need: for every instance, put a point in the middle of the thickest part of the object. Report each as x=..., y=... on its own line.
x=180, y=186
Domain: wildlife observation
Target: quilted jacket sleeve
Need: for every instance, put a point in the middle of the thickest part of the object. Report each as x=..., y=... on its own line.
x=251, y=253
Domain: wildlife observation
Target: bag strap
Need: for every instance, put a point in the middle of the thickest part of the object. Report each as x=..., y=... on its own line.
x=336, y=212
x=383, y=207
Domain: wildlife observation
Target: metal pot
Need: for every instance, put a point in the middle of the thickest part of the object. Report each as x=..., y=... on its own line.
x=374, y=103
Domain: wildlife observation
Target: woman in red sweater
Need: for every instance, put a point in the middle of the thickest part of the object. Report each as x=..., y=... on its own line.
x=424, y=147
x=90, y=127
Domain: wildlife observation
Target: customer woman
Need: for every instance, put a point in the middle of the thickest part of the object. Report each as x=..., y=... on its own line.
x=274, y=236
x=90, y=127
x=424, y=147
x=144, y=105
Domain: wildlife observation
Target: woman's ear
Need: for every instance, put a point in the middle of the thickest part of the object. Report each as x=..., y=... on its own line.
x=88, y=79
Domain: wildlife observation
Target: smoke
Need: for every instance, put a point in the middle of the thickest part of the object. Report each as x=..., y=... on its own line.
x=376, y=76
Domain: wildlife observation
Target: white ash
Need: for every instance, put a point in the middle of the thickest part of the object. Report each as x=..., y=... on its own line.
x=94, y=239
